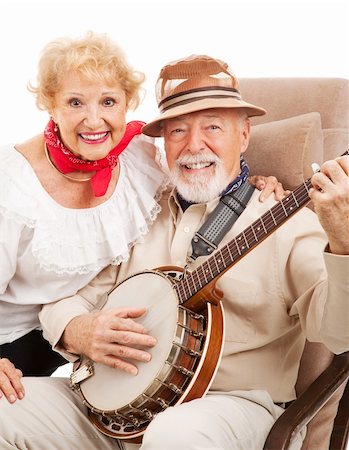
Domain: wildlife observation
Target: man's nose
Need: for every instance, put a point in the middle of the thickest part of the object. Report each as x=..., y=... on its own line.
x=195, y=141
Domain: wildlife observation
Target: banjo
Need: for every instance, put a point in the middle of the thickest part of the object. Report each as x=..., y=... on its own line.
x=185, y=315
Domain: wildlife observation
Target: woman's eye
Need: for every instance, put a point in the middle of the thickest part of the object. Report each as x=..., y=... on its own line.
x=75, y=102
x=109, y=102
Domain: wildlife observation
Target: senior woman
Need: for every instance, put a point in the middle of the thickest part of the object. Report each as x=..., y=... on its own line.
x=74, y=198
x=62, y=218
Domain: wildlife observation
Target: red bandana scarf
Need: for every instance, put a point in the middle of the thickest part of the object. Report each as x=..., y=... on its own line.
x=67, y=162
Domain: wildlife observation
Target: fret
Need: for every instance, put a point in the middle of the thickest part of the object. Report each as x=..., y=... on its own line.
x=289, y=203
x=254, y=234
x=190, y=284
x=209, y=266
x=243, y=248
x=204, y=271
x=306, y=187
x=283, y=207
x=268, y=221
x=186, y=279
x=198, y=278
x=222, y=261
x=215, y=261
x=230, y=255
x=200, y=273
x=272, y=216
x=243, y=233
x=237, y=246
x=182, y=298
x=220, y=265
x=241, y=245
x=294, y=197
x=261, y=220
x=183, y=290
x=251, y=236
x=258, y=229
x=235, y=249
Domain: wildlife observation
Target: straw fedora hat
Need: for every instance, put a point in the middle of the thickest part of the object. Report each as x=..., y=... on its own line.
x=196, y=83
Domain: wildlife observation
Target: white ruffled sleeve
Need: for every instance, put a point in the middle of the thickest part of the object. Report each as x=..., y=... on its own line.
x=10, y=233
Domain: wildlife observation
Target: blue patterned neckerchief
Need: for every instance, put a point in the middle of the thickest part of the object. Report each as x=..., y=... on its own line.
x=233, y=186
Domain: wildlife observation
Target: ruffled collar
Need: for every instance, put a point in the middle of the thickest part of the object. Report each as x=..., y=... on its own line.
x=85, y=240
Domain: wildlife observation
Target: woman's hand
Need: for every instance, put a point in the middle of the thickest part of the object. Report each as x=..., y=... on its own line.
x=268, y=185
x=111, y=337
x=10, y=381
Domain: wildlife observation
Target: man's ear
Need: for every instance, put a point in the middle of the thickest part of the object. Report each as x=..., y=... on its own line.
x=245, y=135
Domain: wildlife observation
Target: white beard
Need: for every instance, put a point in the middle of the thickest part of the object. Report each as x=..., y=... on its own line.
x=200, y=187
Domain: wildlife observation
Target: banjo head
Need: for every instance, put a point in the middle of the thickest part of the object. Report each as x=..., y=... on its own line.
x=109, y=389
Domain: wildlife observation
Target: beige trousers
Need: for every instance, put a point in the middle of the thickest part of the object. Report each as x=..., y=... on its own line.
x=52, y=417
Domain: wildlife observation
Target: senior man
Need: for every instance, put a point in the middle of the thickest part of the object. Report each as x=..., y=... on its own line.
x=291, y=287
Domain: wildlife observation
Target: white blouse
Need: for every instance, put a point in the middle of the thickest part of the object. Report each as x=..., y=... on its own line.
x=48, y=251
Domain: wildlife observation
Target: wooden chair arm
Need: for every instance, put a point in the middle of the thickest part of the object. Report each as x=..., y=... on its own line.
x=340, y=432
x=306, y=406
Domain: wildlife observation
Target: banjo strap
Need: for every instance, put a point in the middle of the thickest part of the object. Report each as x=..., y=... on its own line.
x=220, y=221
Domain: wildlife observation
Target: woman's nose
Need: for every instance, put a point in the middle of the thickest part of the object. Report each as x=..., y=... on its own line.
x=93, y=117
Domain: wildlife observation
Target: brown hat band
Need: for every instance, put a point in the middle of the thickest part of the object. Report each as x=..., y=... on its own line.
x=197, y=94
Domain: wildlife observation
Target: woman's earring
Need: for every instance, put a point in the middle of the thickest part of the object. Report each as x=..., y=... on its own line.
x=55, y=128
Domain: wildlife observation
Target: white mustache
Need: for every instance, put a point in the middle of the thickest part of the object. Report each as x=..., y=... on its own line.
x=200, y=158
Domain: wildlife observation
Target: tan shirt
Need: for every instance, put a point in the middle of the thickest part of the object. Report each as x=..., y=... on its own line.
x=284, y=290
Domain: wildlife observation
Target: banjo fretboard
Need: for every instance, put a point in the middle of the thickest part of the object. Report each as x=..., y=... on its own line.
x=244, y=242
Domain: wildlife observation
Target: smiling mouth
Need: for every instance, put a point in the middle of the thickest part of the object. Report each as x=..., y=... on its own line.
x=198, y=166
x=94, y=137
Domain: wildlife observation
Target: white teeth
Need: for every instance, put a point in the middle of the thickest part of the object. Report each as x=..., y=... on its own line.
x=93, y=137
x=197, y=166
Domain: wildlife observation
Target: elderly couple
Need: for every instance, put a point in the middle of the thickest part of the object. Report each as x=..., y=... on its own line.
x=80, y=218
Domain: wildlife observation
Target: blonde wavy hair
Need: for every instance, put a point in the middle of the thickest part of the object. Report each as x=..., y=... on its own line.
x=95, y=56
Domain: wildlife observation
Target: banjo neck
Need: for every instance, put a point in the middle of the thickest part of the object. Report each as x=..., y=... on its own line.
x=198, y=286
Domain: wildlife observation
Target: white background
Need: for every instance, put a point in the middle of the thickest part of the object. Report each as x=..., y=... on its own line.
x=257, y=38
x=308, y=38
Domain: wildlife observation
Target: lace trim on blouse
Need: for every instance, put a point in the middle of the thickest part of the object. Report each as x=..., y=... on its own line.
x=84, y=240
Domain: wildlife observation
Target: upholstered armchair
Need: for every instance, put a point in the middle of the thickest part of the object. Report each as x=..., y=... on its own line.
x=307, y=122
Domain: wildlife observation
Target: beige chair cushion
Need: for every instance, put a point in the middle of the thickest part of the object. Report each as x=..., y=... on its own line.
x=336, y=142
x=289, y=97
x=298, y=142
